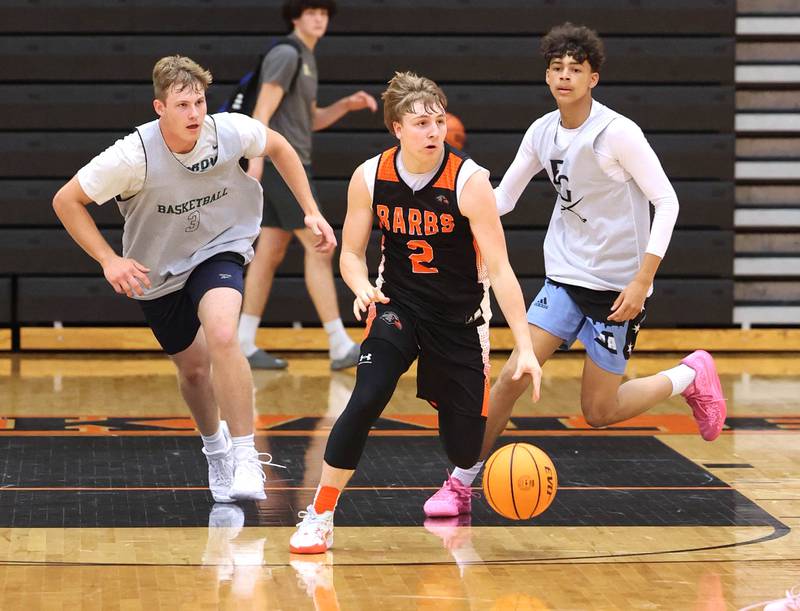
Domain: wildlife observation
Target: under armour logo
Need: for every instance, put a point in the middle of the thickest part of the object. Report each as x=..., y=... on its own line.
x=365, y=359
x=224, y=276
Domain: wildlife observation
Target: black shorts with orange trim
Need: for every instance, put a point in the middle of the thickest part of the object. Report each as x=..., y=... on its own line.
x=453, y=360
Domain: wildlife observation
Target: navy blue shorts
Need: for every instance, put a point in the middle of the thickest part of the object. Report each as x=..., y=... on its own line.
x=173, y=318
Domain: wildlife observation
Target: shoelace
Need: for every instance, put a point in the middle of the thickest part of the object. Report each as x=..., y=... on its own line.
x=254, y=462
x=311, y=519
x=462, y=492
x=705, y=403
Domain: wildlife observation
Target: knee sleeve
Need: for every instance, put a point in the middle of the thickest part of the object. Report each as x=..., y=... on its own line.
x=462, y=437
x=375, y=384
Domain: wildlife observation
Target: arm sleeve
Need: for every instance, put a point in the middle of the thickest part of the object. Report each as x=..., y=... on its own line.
x=279, y=66
x=632, y=151
x=252, y=134
x=118, y=170
x=524, y=167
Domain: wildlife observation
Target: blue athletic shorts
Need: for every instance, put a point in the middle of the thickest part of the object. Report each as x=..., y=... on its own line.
x=572, y=312
x=173, y=317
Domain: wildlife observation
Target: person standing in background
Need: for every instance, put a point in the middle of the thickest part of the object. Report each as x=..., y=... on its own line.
x=287, y=102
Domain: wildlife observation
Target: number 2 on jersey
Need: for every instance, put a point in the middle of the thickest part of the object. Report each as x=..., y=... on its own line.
x=419, y=259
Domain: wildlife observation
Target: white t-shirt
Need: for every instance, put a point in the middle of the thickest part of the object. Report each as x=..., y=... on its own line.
x=120, y=170
x=623, y=153
x=418, y=181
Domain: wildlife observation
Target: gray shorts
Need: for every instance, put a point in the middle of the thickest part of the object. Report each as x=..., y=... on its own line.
x=281, y=209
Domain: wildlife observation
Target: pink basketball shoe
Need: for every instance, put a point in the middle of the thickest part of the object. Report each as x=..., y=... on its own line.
x=452, y=499
x=704, y=395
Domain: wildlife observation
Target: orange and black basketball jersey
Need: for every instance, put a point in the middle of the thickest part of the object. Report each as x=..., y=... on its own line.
x=430, y=261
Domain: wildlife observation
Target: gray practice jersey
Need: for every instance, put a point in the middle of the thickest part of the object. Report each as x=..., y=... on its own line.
x=293, y=118
x=599, y=228
x=181, y=218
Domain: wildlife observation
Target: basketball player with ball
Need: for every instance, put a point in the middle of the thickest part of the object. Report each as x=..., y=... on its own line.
x=442, y=244
x=601, y=256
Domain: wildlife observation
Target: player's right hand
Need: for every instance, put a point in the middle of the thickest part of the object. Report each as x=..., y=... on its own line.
x=126, y=276
x=366, y=296
x=528, y=364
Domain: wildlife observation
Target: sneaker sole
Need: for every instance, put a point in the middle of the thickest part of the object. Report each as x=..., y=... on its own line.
x=313, y=549
x=248, y=496
x=432, y=513
x=218, y=498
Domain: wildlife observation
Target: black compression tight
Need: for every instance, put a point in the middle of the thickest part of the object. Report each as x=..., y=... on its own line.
x=375, y=384
x=461, y=435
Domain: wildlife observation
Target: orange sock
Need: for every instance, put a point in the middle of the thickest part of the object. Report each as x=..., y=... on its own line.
x=326, y=499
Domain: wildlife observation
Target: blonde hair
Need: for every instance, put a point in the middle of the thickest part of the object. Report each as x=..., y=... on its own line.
x=176, y=71
x=404, y=91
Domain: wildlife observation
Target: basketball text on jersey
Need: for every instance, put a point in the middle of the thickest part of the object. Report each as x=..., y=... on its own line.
x=192, y=204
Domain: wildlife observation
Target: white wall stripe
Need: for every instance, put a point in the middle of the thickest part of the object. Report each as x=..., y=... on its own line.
x=768, y=122
x=758, y=217
x=767, y=170
x=766, y=266
x=771, y=73
x=772, y=26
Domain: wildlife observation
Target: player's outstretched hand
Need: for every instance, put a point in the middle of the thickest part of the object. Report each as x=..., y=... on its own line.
x=320, y=228
x=126, y=276
x=366, y=296
x=630, y=302
x=528, y=365
x=360, y=100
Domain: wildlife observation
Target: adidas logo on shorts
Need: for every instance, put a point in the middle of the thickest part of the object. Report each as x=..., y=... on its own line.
x=541, y=303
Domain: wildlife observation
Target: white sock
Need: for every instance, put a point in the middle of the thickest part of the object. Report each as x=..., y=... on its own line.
x=467, y=476
x=680, y=376
x=248, y=325
x=339, y=342
x=243, y=446
x=214, y=443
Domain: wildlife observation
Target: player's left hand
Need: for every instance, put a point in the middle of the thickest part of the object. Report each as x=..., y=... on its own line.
x=630, y=302
x=360, y=100
x=320, y=228
x=527, y=364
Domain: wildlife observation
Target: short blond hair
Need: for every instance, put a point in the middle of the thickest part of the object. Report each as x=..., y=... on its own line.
x=178, y=72
x=404, y=91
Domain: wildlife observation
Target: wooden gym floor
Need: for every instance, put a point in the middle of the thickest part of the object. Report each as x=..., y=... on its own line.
x=103, y=502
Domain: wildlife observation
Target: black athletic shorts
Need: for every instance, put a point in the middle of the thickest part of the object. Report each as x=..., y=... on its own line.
x=453, y=365
x=281, y=209
x=173, y=317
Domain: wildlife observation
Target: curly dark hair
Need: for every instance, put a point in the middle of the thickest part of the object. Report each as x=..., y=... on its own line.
x=292, y=9
x=577, y=41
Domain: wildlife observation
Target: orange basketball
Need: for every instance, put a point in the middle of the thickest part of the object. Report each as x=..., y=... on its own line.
x=456, y=134
x=519, y=481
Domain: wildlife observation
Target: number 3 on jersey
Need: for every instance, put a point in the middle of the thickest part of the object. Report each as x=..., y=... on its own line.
x=419, y=259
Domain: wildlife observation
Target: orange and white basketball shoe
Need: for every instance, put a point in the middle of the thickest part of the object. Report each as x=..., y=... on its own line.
x=314, y=535
x=704, y=395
